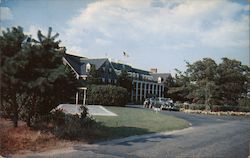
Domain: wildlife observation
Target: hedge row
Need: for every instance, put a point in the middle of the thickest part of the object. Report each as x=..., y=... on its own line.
x=216, y=108
x=106, y=95
x=230, y=108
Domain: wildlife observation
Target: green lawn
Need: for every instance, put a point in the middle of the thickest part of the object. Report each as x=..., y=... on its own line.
x=132, y=121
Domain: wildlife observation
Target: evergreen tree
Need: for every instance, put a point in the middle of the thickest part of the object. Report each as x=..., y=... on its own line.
x=12, y=65
x=34, y=75
x=94, y=76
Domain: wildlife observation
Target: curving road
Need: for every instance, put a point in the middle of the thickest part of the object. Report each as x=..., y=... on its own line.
x=209, y=136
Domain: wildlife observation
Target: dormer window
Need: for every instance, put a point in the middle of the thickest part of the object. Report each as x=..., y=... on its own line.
x=88, y=66
x=159, y=80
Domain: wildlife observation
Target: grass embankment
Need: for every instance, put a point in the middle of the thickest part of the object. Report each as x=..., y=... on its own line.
x=132, y=121
x=23, y=138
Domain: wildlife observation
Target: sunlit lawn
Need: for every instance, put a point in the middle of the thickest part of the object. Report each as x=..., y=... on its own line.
x=132, y=121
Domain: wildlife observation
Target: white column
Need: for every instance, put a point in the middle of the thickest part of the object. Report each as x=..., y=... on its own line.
x=160, y=91
x=141, y=91
x=156, y=90
x=163, y=89
x=145, y=90
x=153, y=88
x=132, y=91
x=76, y=97
x=84, y=97
x=149, y=87
x=136, y=91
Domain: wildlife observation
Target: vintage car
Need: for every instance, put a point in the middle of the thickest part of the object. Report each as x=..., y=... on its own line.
x=166, y=104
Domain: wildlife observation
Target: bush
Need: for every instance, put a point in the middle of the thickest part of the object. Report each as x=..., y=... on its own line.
x=216, y=108
x=71, y=126
x=244, y=102
x=197, y=107
x=107, y=95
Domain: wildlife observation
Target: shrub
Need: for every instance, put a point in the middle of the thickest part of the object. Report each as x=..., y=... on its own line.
x=107, y=95
x=71, y=126
x=216, y=108
x=197, y=107
x=244, y=102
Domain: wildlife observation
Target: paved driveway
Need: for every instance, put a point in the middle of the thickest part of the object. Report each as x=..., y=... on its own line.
x=95, y=110
x=210, y=136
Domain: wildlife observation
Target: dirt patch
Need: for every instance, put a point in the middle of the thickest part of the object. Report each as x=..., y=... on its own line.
x=23, y=139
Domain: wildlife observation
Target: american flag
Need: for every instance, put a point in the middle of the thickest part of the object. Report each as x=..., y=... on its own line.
x=125, y=54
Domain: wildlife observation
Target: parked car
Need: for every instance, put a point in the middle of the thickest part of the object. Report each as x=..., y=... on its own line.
x=160, y=102
x=166, y=104
x=149, y=103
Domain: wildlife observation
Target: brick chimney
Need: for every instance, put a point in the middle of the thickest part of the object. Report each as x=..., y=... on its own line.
x=153, y=70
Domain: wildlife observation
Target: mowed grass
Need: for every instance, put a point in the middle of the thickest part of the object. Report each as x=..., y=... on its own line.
x=132, y=121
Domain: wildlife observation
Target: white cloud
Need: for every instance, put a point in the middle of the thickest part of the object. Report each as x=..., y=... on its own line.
x=167, y=26
x=5, y=13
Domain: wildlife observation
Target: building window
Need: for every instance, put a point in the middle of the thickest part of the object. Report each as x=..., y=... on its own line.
x=103, y=68
x=109, y=80
x=103, y=80
x=88, y=66
x=115, y=81
x=110, y=70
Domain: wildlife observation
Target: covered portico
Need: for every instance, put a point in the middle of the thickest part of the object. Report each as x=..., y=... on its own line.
x=142, y=89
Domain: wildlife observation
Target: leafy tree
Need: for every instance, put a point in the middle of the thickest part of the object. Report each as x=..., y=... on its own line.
x=208, y=83
x=203, y=77
x=179, y=89
x=232, y=80
x=125, y=81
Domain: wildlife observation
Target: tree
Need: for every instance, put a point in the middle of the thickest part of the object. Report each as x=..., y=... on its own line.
x=12, y=64
x=203, y=77
x=206, y=82
x=125, y=81
x=35, y=74
x=94, y=76
x=179, y=89
x=232, y=80
x=47, y=75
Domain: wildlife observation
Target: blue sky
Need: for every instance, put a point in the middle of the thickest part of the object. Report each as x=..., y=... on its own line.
x=159, y=34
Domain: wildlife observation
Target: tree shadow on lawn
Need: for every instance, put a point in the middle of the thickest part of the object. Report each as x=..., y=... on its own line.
x=104, y=133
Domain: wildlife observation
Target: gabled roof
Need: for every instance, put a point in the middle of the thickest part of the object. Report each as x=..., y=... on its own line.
x=97, y=62
x=119, y=66
x=74, y=61
x=79, y=63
